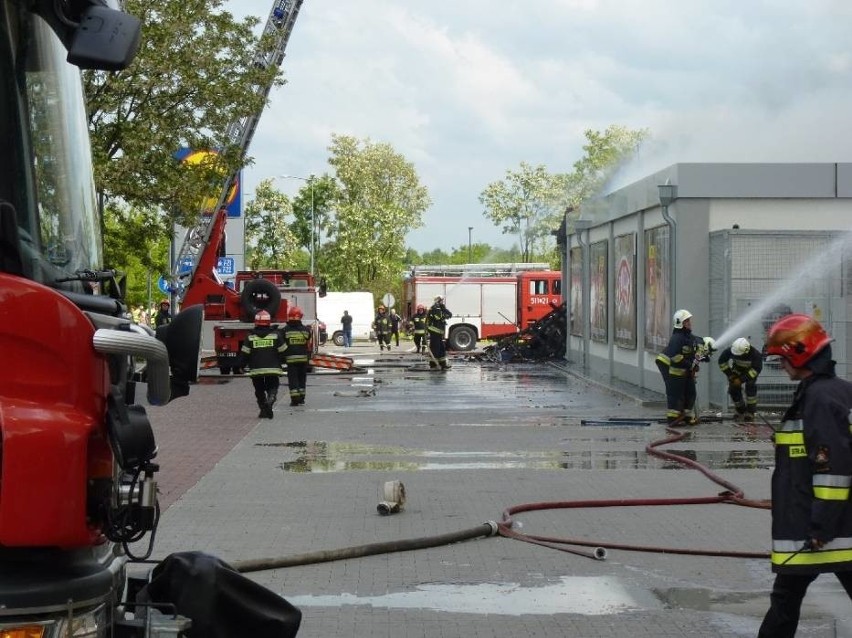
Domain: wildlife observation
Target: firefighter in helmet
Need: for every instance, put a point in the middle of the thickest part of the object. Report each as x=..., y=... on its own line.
x=298, y=348
x=382, y=326
x=811, y=509
x=436, y=325
x=164, y=314
x=742, y=364
x=418, y=323
x=678, y=363
x=262, y=351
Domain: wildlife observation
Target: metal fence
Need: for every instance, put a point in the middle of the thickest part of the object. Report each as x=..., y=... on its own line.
x=758, y=276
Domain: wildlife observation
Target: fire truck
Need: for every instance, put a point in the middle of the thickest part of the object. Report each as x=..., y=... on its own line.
x=77, y=450
x=229, y=310
x=488, y=301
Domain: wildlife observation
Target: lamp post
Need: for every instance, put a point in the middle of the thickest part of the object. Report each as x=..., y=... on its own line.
x=668, y=193
x=469, y=231
x=310, y=181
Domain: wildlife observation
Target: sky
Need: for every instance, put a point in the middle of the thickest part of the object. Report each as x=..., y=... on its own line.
x=466, y=90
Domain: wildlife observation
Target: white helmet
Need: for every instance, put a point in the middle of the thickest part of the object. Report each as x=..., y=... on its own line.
x=680, y=316
x=740, y=347
x=710, y=344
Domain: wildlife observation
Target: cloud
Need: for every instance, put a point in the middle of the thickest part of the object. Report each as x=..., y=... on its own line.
x=468, y=90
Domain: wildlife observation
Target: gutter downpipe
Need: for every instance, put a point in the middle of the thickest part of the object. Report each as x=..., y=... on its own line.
x=668, y=193
x=583, y=225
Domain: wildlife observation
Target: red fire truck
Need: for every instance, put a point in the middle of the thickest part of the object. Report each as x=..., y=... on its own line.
x=487, y=300
x=231, y=311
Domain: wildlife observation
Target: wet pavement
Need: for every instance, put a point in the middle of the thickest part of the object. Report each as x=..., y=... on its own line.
x=467, y=444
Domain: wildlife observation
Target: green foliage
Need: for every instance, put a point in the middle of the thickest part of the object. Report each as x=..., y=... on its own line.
x=271, y=243
x=194, y=74
x=379, y=200
x=527, y=202
x=530, y=201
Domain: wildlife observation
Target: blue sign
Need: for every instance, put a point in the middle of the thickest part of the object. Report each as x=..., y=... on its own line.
x=185, y=265
x=163, y=285
x=225, y=266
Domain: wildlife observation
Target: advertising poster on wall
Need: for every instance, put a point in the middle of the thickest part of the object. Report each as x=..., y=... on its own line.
x=598, y=290
x=577, y=291
x=624, y=252
x=657, y=309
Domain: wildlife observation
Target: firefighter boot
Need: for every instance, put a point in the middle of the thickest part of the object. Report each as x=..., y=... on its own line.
x=263, y=407
x=271, y=397
x=748, y=417
x=739, y=413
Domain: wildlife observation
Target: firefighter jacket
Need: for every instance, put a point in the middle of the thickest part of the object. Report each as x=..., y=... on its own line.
x=746, y=366
x=382, y=324
x=297, y=342
x=262, y=351
x=812, y=477
x=419, y=323
x=678, y=357
x=436, y=320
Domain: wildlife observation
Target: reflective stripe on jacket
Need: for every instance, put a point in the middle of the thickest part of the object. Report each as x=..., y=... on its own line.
x=812, y=478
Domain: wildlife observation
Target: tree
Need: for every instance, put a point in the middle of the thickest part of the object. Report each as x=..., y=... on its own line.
x=525, y=203
x=531, y=202
x=195, y=73
x=271, y=243
x=379, y=200
x=604, y=154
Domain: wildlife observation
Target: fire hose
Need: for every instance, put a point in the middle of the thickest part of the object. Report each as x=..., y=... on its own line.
x=505, y=528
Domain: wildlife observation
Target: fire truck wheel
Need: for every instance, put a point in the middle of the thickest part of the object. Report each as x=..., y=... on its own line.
x=462, y=338
x=257, y=295
x=337, y=338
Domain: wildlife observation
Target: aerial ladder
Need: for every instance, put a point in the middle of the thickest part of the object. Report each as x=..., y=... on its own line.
x=279, y=26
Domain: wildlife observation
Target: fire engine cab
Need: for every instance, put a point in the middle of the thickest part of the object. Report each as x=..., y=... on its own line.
x=488, y=301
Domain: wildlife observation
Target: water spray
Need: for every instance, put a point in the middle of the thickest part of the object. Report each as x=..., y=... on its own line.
x=820, y=263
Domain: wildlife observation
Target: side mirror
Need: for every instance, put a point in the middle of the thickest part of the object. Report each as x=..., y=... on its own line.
x=105, y=39
x=182, y=338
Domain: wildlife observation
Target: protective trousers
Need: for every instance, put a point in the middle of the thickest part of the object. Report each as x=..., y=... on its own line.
x=680, y=394
x=297, y=380
x=789, y=590
x=735, y=390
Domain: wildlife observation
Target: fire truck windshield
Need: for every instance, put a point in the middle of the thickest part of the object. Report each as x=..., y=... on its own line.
x=45, y=166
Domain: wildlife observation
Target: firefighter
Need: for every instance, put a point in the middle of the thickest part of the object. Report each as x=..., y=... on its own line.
x=263, y=350
x=742, y=364
x=678, y=363
x=811, y=511
x=395, y=320
x=382, y=326
x=418, y=322
x=164, y=314
x=436, y=324
x=298, y=346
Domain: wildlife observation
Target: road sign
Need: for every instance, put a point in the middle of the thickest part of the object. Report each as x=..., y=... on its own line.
x=225, y=266
x=185, y=265
x=163, y=285
x=389, y=300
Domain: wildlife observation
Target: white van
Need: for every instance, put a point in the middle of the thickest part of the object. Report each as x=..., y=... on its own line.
x=361, y=308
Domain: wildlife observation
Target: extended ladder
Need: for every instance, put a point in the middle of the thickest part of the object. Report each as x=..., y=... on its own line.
x=239, y=134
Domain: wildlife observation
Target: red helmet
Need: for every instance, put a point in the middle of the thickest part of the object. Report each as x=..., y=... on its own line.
x=165, y=302
x=421, y=307
x=797, y=338
x=262, y=318
x=295, y=314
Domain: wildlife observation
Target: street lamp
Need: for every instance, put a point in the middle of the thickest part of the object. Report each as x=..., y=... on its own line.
x=469, y=231
x=310, y=181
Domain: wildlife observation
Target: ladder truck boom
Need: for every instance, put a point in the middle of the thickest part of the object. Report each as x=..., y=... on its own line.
x=239, y=134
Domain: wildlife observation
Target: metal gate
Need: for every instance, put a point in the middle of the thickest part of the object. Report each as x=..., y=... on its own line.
x=758, y=276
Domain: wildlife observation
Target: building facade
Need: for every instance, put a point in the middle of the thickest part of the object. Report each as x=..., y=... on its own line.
x=735, y=244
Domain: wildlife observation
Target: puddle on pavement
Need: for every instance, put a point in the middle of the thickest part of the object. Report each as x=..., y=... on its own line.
x=591, y=596
x=322, y=456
